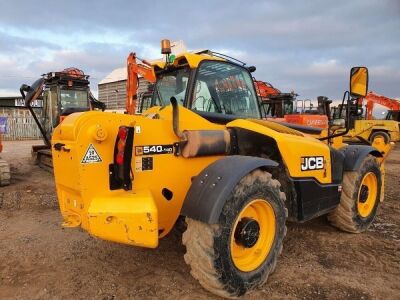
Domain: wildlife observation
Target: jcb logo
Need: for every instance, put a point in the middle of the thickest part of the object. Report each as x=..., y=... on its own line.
x=312, y=163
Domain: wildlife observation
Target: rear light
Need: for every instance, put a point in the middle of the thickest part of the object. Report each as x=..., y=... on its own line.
x=121, y=144
x=120, y=171
x=120, y=158
x=122, y=133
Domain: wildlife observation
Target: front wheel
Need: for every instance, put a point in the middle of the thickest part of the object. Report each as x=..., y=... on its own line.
x=360, y=198
x=379, y=134
x=240, y=251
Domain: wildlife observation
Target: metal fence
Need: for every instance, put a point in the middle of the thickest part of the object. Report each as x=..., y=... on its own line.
x=18, y=125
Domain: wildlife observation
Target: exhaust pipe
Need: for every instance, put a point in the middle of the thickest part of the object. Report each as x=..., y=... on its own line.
x=195, y=143
x=175, y=119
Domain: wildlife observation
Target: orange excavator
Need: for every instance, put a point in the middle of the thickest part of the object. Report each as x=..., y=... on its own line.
x=274, y=104
x=134, y=71
x=372, y=98
x=265, y=89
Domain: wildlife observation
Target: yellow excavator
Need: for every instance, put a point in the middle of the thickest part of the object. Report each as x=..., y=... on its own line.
x=205, y=155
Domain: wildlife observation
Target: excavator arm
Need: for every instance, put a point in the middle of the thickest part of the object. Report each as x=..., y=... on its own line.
x=372, y=98
x=134, y=70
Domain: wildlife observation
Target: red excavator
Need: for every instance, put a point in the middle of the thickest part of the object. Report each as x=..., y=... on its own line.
x=392, y=105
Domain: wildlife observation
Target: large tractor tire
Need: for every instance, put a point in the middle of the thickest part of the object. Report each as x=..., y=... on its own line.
x=5, y=174
x=379, y=134
x=360, y=198
x=241, y=250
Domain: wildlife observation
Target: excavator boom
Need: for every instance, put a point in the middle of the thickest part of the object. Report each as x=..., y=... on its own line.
x=372, y=98
x=134, y=70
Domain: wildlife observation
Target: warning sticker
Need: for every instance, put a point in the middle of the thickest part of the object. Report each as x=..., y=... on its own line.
x=91, y=156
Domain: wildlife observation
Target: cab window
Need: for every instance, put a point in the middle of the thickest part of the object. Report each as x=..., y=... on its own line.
x=224, y=88
x=172, y=84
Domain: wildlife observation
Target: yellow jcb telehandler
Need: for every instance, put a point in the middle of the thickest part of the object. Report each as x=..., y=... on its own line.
x=204, y=154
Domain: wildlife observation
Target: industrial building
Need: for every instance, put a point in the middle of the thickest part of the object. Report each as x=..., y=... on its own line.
x=112, y=89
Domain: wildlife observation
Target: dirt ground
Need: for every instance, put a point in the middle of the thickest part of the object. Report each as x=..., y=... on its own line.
x=41, y=260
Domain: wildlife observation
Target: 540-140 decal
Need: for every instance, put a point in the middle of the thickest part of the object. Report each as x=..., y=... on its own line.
x=154, y=149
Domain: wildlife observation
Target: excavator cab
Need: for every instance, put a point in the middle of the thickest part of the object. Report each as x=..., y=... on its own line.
x=62, y=94
x=147, y=99
x=277, y=106
x=393, y=115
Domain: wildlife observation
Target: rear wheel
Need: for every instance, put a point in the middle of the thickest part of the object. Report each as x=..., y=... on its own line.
x=379, y=134
x=240, y=251
x=360, y=198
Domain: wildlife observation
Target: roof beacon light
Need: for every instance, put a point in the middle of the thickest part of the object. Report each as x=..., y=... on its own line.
x=165, y=46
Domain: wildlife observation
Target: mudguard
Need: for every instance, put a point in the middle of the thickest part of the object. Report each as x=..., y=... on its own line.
x=355, y=154
x=213, y=186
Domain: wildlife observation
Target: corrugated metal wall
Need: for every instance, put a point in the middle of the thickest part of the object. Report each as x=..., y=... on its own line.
x=20, y=125
x=113, y=94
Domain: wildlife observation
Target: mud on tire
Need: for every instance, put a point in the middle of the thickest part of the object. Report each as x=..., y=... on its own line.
x=347, y=216
x=209, y=245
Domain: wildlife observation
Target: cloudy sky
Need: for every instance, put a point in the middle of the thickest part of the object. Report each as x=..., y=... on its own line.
x=305, y=46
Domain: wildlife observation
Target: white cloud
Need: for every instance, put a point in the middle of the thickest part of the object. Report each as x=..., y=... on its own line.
x=8, y=93
x=308, y=46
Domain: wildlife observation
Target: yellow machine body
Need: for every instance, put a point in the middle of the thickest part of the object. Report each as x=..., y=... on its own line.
x=84, y=148
x=365, y=128
x=143, y=215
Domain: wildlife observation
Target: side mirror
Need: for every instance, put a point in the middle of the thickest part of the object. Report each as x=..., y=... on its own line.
x=251, y=69
x=358, y=81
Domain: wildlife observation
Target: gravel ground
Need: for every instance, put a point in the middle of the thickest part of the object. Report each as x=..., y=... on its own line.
x=41, y=260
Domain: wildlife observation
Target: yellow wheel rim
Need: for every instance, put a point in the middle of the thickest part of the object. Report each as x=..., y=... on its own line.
x=367, y=194
x=247, y=257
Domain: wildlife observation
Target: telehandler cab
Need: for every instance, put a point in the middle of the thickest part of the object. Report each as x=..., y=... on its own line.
x=208, y=157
